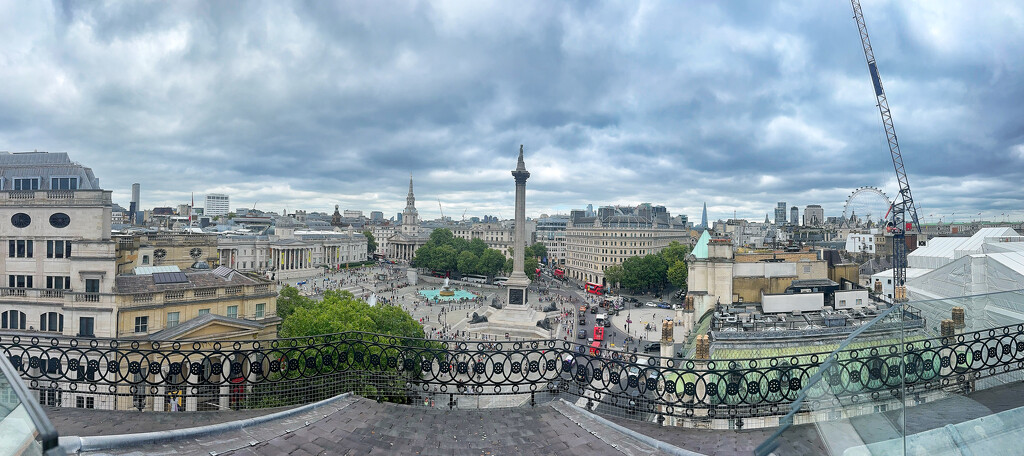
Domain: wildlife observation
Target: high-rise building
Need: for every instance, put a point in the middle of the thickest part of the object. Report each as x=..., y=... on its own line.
x=780, y=213
x=216, y=204
x=133, y=207
x=376, y=216
x=794, y=215
x=814, y=215
x=590, y=210
x=704, y=217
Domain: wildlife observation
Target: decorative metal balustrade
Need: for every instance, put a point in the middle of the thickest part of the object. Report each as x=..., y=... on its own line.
x=219, y=375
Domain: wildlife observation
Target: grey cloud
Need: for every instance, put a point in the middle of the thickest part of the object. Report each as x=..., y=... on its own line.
x=740, y=104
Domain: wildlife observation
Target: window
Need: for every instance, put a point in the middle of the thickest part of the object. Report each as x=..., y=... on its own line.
x=85, y=402
x=63, y=183
x=233, y=311
x=58, y=282
x=86, y=327
x=51, y=321
x=50, y=397
x=58, y=249
x=860, y=302
x=13, y=319
x=19, y=248
x=28, y=183
x=141, y=324
x=19, y=281
x=842, y=303
x=92, y=285
x=172, y=319
x=145, y=259
x=260, y=309
x=204, y=311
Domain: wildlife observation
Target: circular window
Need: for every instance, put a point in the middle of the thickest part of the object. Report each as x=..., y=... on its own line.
x=196, y=252
x=159, y=253
x=21, y=220
x=60, y=220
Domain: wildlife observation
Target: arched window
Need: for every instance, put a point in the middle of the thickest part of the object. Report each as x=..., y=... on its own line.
x=51, y=321
x=13, y=319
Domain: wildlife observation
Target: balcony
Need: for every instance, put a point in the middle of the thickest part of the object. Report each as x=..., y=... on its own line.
x=32, y=293
x=55, y=197
x=193, y=295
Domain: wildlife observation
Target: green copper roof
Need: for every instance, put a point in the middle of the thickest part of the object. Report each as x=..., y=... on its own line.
x=701, y=249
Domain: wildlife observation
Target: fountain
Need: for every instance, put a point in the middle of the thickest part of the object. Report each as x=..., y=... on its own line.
x=446, y=290
x=446, y=293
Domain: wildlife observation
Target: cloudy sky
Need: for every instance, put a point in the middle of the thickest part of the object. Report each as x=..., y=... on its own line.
x=304, y=105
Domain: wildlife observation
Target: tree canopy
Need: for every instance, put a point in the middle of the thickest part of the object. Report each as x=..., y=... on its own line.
x=371, y=243
x=340, y=311
x=651, y=272
x=445, y=252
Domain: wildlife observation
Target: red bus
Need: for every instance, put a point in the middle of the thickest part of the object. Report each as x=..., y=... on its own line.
x=598, y=333
x=559, y=274
x=594, y=288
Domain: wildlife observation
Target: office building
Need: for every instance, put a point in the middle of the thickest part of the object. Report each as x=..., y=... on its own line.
x=780, y=213
x=216, y=204
x=814, y=215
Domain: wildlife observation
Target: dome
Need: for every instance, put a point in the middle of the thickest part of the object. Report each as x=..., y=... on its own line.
x=200, y=265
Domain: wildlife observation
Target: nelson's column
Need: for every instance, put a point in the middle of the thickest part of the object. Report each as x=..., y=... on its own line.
x=518, y=282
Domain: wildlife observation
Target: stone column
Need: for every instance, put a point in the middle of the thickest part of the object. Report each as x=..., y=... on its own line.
x=518, y=281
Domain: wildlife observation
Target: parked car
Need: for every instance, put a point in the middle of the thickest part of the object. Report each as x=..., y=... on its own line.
x=664, y=305
x=582, y=334
x=652, y=347
x=651, y=304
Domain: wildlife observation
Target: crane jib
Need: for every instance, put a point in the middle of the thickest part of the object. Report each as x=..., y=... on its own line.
x=874, y=79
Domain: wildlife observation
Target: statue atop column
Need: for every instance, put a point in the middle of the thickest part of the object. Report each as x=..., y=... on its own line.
x=518, y=281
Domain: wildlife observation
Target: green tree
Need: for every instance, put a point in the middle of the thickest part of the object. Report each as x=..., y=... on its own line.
x=442, y=236
x=342, y=325
x=445, y=259
x=424, y=256
x=530, y=265
x=677, y=274
x=538, y=250
x=613, y=275
x=289, y=300
x=468, y=263
x=491, y=262
x=371, y=243
x=675, y=252
x=477, y=246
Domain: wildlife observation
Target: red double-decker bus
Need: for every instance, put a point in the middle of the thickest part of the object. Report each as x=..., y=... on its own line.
x=559, y=274
x=598, y=333
x=594, y=288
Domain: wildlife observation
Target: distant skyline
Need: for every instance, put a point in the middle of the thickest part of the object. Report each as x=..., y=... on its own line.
x=312, y=105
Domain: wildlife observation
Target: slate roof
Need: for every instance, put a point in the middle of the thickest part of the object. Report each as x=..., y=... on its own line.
x=129, y=284
x=195, y=323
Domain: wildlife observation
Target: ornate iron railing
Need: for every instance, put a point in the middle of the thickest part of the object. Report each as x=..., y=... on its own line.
x=218, y=375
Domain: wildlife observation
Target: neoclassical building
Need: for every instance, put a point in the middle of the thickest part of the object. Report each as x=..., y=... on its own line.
x=291, y=251
x=403, y=244
x=59, y=264
x=600, y=242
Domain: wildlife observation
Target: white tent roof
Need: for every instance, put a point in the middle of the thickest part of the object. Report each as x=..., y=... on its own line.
x=941, y=251
x=938, y=253
x=974, y=243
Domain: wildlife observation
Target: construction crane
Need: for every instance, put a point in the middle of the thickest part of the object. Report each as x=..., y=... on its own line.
x=896, y=218
x=441, y=209
x=464, y=215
